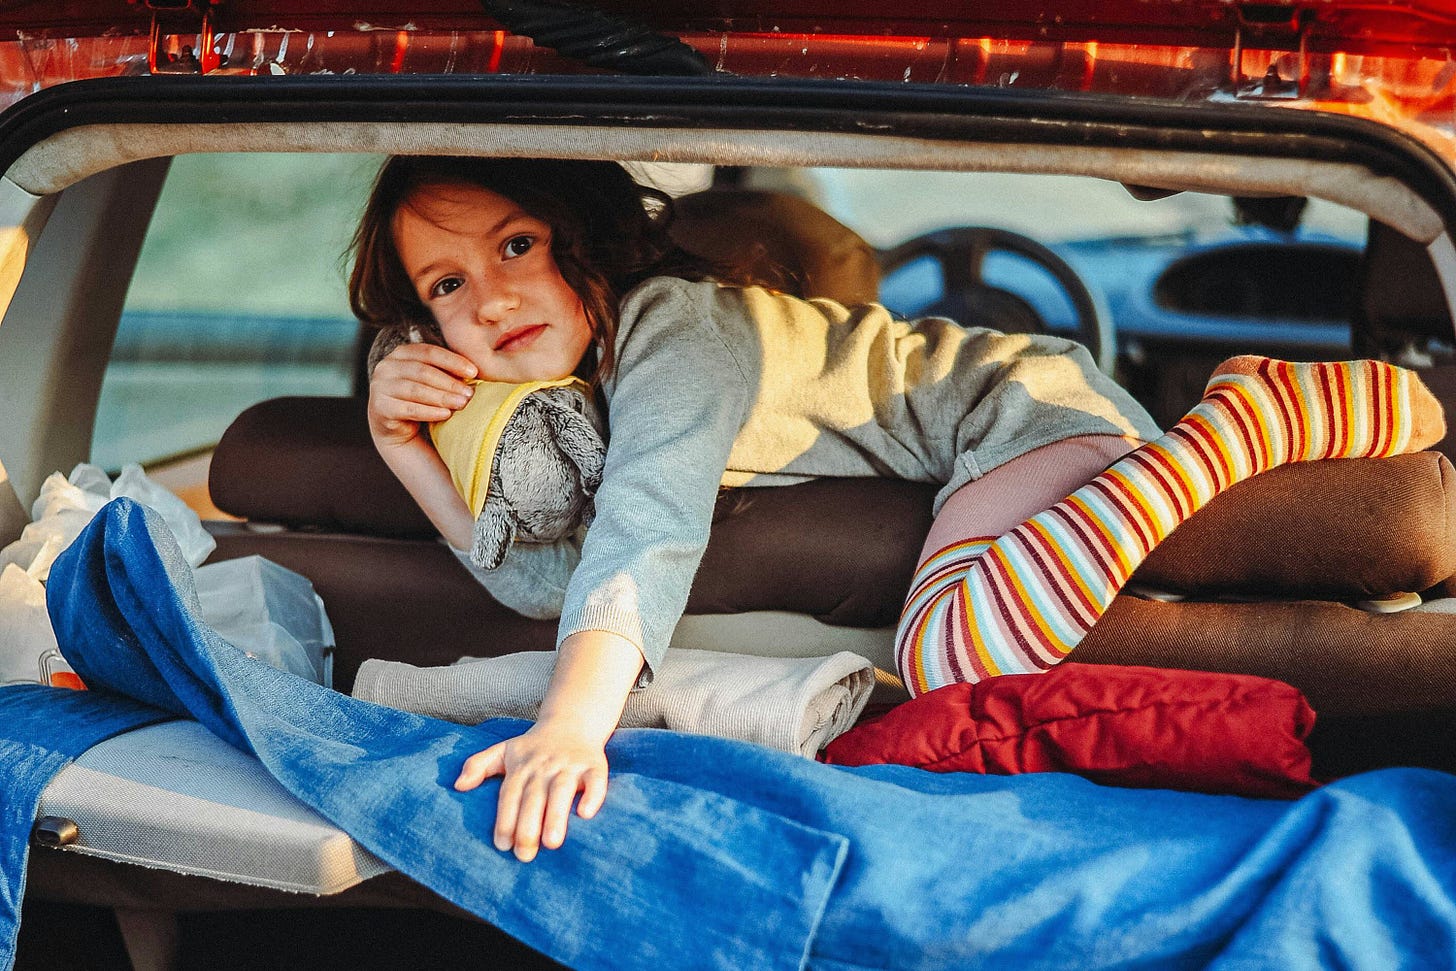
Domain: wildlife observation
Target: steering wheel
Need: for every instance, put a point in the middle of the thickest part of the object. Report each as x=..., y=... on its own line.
x=968, y=299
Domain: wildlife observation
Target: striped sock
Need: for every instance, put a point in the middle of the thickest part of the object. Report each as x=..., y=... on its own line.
x=1019, y=603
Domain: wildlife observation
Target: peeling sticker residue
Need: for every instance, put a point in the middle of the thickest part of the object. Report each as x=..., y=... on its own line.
x=454, y=51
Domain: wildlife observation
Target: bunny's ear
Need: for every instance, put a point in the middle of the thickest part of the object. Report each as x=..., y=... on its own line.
x=495, y=530
x=577, y=437
x=388, y=338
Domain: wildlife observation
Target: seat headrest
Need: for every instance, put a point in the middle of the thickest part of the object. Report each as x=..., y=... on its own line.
x=309, y=463
x=781, y=241
x=1400, y=293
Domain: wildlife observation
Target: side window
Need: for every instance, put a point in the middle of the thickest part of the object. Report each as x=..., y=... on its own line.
x=238, y=296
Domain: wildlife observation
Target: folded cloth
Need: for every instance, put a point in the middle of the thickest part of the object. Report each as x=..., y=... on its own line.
x=796, y=705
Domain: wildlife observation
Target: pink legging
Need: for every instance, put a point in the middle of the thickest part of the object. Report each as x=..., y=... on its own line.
x=1009, y=495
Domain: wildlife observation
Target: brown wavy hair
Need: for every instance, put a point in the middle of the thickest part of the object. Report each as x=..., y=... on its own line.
x=608, y=234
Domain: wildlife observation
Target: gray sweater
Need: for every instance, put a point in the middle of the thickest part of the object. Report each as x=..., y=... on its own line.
x=725, y=386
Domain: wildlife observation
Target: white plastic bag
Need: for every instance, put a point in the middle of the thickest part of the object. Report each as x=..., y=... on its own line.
x=196, y=542
x=28, y=650
x=58, y=515
x=270, y=613
x=66, y=505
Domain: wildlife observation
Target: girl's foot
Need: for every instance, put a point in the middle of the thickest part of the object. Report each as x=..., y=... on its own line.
x=1347, y=409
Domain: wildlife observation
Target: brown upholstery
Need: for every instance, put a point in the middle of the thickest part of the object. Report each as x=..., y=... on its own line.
x=410, y=600
x=1340, y=529
x=779, y=240
x=1400, y=295
x=1346, y=661
x=1382, y=685
x=309, y=463
x=1442, y=382
x=403, y=600
x=844, y=550
x=1402, y=304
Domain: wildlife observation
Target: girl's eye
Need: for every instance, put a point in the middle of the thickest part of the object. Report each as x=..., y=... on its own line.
x=446, y=286
x=519, y=245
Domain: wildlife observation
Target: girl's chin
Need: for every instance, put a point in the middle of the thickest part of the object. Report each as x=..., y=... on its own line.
x=526, y=372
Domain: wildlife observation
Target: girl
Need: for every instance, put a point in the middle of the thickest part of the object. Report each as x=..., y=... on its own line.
x=535, y=269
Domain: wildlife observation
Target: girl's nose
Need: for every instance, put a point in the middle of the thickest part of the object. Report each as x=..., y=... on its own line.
x=496, y=301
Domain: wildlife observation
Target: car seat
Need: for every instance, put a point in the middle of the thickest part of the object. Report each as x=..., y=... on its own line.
x=1401, y=309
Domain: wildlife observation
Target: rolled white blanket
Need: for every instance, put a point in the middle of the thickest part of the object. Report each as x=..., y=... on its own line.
x=796, y=705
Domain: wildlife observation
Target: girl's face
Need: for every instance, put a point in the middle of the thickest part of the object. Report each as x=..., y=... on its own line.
x=484, y=268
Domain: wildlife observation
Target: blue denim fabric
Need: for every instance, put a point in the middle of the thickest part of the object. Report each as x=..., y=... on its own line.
x=41, y=729
x=125, y=612
x=711, y=853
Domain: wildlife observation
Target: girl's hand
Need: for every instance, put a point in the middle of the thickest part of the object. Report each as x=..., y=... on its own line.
x=544, y=769
x=416, y=383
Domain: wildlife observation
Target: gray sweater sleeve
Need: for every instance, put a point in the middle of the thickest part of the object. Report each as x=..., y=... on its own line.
x=676, y=402
x=532, y=579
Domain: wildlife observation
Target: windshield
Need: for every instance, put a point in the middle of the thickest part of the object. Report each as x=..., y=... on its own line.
x=888, y=207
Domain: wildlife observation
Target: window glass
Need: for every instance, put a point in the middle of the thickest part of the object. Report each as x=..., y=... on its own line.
x=887, y=207
x=239, y=295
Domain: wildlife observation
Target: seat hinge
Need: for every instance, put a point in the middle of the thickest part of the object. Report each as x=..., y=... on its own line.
x=172, y=21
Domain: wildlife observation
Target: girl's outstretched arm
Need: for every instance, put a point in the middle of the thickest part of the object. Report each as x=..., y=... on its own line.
x=564, y=752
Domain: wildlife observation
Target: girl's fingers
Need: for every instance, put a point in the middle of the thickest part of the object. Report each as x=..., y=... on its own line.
x=428, y=375
x=507, y=810
x=558, y=809
x=481, y=766
x=447, y=360
x=400, y=409
x=427, y=366
x=432, y=387
x=594, y=785
x=528, y=820
x=434, y=355
x=533, y=807
x=394, y=401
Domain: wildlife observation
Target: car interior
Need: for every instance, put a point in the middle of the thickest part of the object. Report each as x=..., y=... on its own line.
x=806, y=569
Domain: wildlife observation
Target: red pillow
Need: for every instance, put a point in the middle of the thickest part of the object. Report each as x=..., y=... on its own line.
x=1126, y=726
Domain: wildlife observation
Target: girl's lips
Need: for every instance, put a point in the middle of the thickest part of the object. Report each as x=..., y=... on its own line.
x=520, y=338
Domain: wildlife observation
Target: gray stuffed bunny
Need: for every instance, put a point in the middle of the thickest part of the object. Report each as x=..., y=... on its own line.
x=547, y=468
x=544, y=468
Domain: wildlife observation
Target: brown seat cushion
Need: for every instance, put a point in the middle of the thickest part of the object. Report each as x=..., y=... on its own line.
x=844, y=549
x=1338, y=529
x=309, y=463
x=1346, y=661
x=1382, y=685
x=401, y=600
